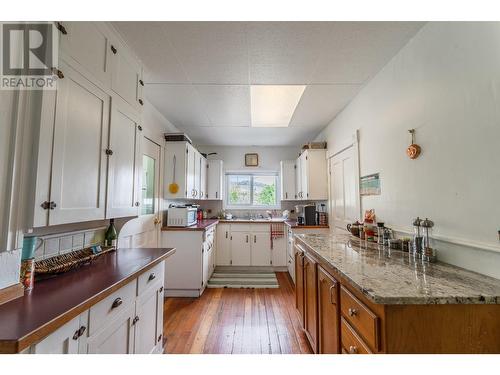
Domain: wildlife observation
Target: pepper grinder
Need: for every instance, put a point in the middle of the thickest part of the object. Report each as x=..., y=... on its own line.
x=417, y=236
x=428, y=252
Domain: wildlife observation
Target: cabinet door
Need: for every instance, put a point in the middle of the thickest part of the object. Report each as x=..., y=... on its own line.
x=288, y=180
x=223, y=257
x=78, y=179
x=205, y=265
x=278, y=253
x=214, y=179
x=176, y=169
x=241, y=249
x=203, y=178
x=62, y=341
x=86, y=45
x=299, y=283
x=197, y=175
x=190, y=171
x=328, y=314
x=298, y=178
x=146, y=328
x=126, y=74
x=311, y=302
x=261, y=249
x=115, y=338
x=124, y=164
x=304, y=175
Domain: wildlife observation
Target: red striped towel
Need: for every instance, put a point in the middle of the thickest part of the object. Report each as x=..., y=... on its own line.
x=277, y=231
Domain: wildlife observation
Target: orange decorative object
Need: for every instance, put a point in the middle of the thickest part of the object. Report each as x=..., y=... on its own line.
x=413, y=150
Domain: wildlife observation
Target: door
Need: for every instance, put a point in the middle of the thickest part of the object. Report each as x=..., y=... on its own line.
x=144, y=231
x=78, y=179
x=87, y=44
x=62, y=341
x=241, y=249
x=328, y=313
x=261, y=249
x=299, y=282
x=190, y=171
x=126, y=74
x=214, y=179
x=310, y=302
x=115, y=338
x=124, y=164
x=223, y=257
x=146, y=328
x=298, y=178
x=288, y=180
x=203, y=178
x=344, y=187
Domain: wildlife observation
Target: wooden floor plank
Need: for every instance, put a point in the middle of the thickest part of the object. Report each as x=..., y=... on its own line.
x=224, y=321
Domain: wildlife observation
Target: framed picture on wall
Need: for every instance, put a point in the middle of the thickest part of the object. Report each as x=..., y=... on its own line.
x=251, y=160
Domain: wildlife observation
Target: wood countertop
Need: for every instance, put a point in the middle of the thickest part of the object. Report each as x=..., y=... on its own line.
x=200, y=225
x=54, y=302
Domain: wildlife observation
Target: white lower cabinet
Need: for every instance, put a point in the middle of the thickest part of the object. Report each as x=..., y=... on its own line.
x=240, y=248
x=261, y=254
x=223, y=253
x=63, y=341
x=128, y=321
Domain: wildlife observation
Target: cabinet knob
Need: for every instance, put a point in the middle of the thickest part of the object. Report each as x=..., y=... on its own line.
x=117, y=302
x=152, y=277
x=352, y=312
x=141, y=102
x=353, y=349
x=109, y=152
x=61, y=28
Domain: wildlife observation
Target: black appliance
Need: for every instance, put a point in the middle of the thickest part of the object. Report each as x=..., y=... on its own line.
x=310, y=215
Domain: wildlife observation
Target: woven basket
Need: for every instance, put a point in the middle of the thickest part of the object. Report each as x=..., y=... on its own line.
x=67, y=262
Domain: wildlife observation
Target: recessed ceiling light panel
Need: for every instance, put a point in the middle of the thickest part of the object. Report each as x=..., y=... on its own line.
x=273, y=105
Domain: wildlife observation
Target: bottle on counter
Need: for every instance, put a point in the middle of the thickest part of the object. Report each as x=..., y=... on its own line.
x=111, y=237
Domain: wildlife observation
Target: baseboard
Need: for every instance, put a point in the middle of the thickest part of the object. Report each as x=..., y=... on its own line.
x=11, y=292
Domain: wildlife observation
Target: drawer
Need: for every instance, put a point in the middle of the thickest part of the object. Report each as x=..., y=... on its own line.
x=106, y=310
x=351, y=342
x=364, y=321
x=261, y=228
x=240, y=227
x=153, y=276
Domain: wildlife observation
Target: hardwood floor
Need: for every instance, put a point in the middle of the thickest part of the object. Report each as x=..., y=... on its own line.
x=225, y=321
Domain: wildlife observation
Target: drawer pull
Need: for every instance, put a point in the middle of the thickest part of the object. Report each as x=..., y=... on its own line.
x=117, y=302
x=353, y=349
x=352, y=312
x=152, y=277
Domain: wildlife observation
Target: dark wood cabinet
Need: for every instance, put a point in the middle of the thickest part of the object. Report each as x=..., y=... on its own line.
x=299, y=282
x=311, y=301
x=328, y=313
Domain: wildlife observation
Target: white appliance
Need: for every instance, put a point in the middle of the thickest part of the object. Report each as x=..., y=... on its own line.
x=181, y=216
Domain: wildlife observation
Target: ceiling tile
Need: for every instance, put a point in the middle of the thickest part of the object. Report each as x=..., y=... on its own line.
x=226, y=105
x=321, y=103
x=211, y=52
x=180, y=104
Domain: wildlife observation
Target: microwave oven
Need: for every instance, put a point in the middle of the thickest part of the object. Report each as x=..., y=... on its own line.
x=181, y=216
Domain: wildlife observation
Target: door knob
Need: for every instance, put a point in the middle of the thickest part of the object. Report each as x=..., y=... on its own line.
x=156, y=221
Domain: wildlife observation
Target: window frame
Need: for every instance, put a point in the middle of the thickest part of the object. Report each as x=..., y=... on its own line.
x=228, y=205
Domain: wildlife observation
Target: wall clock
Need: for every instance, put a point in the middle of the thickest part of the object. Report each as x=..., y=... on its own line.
x=251, y=160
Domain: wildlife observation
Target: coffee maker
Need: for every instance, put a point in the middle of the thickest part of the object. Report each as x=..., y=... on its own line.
x=301, y=219
x=310, y=215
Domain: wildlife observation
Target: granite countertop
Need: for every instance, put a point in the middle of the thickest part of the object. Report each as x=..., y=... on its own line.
x=200, y=225
x=55, y=301
x=293, y=224
x=395, y=277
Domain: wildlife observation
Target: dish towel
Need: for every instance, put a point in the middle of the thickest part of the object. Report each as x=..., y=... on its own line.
x=277, y=231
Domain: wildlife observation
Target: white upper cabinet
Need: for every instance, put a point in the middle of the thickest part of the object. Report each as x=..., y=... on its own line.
x=203, y=178
x=215, y=179
x=86, y=46
x=311, y=181
x=197, y=175
x=78, y=178
x=127, y=74
x=288, y=180
x=124, y=161
x=190, y=171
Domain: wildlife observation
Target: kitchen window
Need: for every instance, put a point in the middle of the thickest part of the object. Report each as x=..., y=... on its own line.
x=252, y=190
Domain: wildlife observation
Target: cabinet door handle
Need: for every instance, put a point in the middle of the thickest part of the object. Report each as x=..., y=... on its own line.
x=136, y=319
x=113, y=49
x=117, y=302
x=352, y=312
x=353, y=349
x=141, y=102
x=57, y=73
x=81, y=331
x=247, y=238
x=216, y=194
x=152, y=277
x=254, y=239
x=226, y=233
x=75, y=336
x=330, y=292
x=141, y=82
x=161, y=289
x=159, y=338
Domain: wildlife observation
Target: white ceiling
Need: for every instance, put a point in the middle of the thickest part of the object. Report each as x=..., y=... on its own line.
x=198, y=74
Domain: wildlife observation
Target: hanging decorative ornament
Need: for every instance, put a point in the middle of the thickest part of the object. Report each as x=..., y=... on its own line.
x=413, y=150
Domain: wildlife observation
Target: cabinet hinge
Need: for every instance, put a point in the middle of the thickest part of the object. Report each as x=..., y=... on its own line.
x=114, y=50
x=141, y=102
x=57, y=73
x=140, y=128
x=61, y=28
x=141, y=82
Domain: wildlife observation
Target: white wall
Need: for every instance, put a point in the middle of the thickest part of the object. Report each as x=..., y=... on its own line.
x=445, y=83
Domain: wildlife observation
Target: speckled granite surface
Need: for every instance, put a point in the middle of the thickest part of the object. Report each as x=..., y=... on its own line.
x=395, y=277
